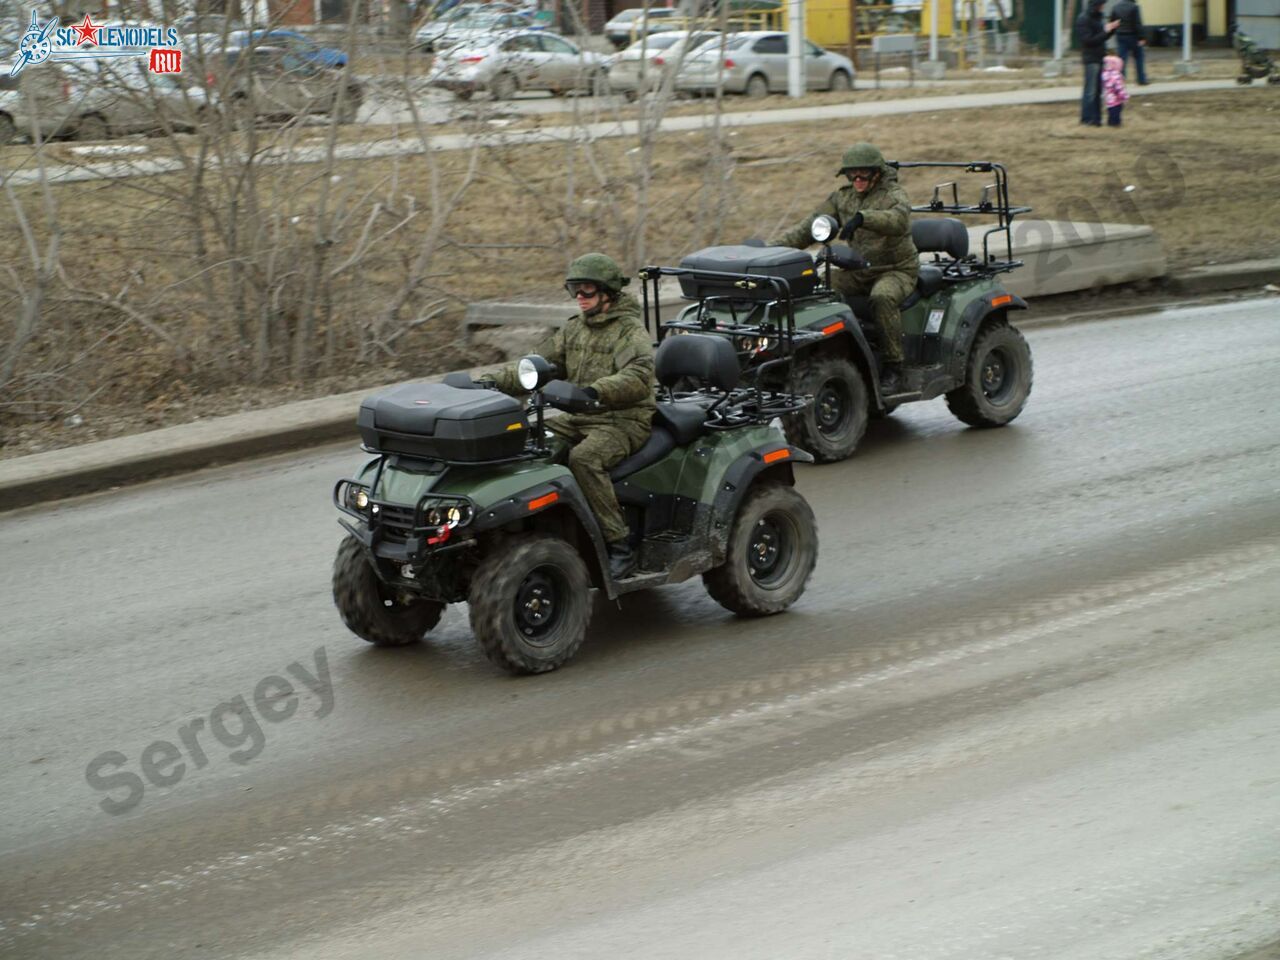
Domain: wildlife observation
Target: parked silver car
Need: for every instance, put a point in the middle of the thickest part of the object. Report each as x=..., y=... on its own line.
x=439, y=34
x=755, y=63
x=642, y=67
x=630, y=25
x=94, y=100
x=528, y=60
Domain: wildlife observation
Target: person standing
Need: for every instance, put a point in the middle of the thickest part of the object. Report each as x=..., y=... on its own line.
x=1113, y=91
x=1093, y=34
x=1129, y=39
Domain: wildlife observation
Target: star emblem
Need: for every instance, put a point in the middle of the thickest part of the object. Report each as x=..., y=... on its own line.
x=88, y=31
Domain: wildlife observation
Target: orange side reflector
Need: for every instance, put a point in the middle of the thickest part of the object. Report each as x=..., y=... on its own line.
x=516, y=426
x=1001, y=301
x=541, y=502
x=773, y=455
x=838, y=325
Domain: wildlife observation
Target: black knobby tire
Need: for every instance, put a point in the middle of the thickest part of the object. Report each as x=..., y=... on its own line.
x=997, y=379
x=840, y=82
x=757, y=86
x=530, y=604
x=503, y=86
x=367, y=608
x=772, y=551
x=831, y=427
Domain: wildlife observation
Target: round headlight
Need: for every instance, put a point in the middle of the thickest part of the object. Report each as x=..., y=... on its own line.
x=454, y=515
x=434, y=517
x=527, y=373
x=823, y=228
x=360, y=499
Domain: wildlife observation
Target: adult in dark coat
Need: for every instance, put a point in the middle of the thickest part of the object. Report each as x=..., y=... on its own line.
x=1092, y=35
x=1129, y=39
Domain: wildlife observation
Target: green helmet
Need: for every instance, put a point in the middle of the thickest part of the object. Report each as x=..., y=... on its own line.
x=861, y=155
x=598, y=269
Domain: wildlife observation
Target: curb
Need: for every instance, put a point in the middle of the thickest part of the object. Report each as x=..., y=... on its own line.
x=93, y=467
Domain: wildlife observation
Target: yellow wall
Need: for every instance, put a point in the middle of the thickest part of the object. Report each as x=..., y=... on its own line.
x=826, y=22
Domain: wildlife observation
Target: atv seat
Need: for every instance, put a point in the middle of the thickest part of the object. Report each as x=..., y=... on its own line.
x=941, y=235
x=710, y=361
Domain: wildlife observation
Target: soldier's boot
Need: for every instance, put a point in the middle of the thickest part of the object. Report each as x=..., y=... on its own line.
x=622, y=559
x=890, y=377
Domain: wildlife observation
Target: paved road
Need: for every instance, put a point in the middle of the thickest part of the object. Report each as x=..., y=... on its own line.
x=1026, y=709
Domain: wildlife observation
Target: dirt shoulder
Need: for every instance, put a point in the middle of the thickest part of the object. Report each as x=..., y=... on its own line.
x=1201, y=165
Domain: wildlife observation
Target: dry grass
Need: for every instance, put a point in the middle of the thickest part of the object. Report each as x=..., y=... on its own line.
x=514, y=232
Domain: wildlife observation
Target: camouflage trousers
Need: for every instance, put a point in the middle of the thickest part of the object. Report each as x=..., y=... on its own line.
x=591, y=454
x=886, y=291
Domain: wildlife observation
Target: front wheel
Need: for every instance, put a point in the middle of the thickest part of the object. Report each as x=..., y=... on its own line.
x=997, y=379
x=372, y=611
x=772, y=551
x=348, y=109
x=530, y=604
x=830, y=427
x=840, y=82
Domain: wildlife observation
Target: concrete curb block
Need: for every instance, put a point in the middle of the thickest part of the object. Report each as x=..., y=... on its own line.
x=92, y=467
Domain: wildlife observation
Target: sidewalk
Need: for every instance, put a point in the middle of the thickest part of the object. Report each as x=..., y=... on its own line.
x=47, y=477
x=619, y=128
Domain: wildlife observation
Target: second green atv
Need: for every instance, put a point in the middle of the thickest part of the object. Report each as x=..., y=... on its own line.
x=467, y=501
x=958, y=339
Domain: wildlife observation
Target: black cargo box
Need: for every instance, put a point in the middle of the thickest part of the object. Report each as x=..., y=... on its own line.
x=794, y=266
x=444, y=423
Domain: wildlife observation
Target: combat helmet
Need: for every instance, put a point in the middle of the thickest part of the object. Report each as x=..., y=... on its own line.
x=861, y=155
x=599, y=269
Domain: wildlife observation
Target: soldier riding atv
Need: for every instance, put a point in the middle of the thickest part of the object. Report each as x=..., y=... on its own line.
x=957, y=339
x=467, y=500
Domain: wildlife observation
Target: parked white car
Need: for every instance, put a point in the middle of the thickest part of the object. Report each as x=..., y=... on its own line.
x=528, y=60
x=642, y=67
x=438, y=34
x=630, y=25
x=755, y=63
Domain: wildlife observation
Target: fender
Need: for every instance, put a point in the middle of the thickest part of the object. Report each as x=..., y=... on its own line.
x=559, y=494
x=971, y=321
x=774, y=459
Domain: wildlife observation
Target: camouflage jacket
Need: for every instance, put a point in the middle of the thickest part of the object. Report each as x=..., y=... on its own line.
x=610, y=352
x=884, y=238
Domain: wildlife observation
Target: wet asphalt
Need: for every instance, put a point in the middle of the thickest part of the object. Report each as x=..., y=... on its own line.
x=1026, y=708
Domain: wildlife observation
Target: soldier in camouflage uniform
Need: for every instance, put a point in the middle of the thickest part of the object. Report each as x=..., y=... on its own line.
x=875, y=216
x=606, y=350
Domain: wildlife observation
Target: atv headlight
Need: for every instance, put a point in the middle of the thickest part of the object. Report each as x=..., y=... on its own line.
x=532, y=372
x=752, y=344
x=823, y=228
x=357, y=497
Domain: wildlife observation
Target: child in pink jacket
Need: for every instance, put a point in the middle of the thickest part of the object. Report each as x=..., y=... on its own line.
x=1113, y=92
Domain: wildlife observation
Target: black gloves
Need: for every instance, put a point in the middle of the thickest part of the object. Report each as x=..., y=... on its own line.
x=852, y=224
x=570, y=397
x=592, y=392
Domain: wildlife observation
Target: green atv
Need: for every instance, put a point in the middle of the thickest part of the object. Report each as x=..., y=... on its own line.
x=466, y=501
x=957, y=339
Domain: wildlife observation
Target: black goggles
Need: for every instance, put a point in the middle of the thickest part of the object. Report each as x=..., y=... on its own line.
x=579, y=288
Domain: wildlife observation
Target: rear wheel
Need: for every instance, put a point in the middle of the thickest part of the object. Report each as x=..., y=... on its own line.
x=503, y=86
x=840, y=82
x=772, y=551
x=347, y=108
x=92, y=127
x=997, y=379
x=530, y=604
x=8, y=129
x=757, y=86
x=831, y=427
x=370, y=609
